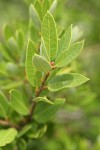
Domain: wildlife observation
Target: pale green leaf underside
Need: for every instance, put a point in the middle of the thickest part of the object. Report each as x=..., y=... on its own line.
x=30, y=70
x=18, y=103
x=64, y=42
x=7, y=136
x=43, y=112
x=49, y=34
x=66, y=81
x=53, y=6
x=34, y=16
x=41, y=64
x=42, y=99
x=67, y=56
x=43, y=50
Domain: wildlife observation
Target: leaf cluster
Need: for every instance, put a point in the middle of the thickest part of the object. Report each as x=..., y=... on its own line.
x=31, y=76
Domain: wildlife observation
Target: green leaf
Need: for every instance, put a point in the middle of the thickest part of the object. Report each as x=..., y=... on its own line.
x=5, y=53
x=3, y=71
x=18, y=103
x=38, y=8
x=43, y=51
x=12, y=69
x=49, y=34
x=4, y=106
x=34, y=17
x=11, y=84
x=24, y=130
x=22, y=144
x=41, y=64
x=41, y=131
x=32, y=132
x=42, y=99
x=77, y=33
x=53, y=6
x=7, y=32
x=67, y=56
x=13, y=48
x=30, y=70
x=66, y=81
x=33, y=33
x=37, y=132
x=46, y=6
x=20, y=39
x=43, y=111
x=64, y=42
x=7, y=136
x=38, y=77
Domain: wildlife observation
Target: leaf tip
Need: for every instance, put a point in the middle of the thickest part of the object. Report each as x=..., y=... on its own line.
x=11, y=91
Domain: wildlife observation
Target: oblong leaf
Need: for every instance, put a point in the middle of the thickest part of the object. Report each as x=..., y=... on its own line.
x=12, y=69
x=41, y=64
x=34, y=33
x=49, y=34
x=67, y=56
x=38, y=7
x=45, y=7
x=66, y=81
x=64, y=41
x=34, y=17
x=53, y=6
x=22, y=144
x=7, y=136
x=24, y=130
x=30, y=70
x=3, y=71
x=7, y=31
x=5, y=53
x=13, y=47
x=20, y=38
x=43, y=50
x=4, y=106
x=43, y=111
x=18, y=102
x=11, y=84
x=37, y=133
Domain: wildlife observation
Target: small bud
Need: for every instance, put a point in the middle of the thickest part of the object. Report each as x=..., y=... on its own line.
x=52, y=63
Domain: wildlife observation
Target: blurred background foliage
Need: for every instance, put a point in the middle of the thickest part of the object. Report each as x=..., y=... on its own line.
x=77, y=125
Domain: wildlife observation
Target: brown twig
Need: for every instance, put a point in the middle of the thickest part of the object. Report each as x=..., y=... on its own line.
x=26, y=120
x=42, y=85
x=38, y=92
x=6, y=123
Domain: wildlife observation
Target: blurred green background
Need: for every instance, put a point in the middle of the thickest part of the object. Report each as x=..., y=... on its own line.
x=77, y=125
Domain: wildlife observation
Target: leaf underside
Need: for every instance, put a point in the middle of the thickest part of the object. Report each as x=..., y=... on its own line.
x=66, y=81
x=49, y=34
